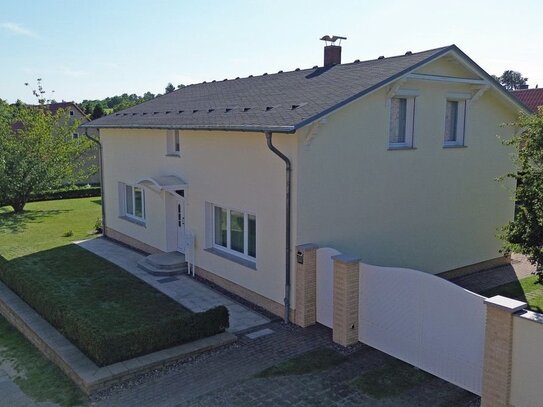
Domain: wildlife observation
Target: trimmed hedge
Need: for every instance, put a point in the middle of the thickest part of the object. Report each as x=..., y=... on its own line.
x=91, y=319
x=65, y=193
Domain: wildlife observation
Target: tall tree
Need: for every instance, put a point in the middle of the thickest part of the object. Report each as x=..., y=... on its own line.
x=169, y=88
x=512, y=79
x=97, y=112
x=37, y=152
x=525, y=233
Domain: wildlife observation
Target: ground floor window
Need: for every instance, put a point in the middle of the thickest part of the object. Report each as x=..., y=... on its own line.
x=234, y=231
x=132, y=201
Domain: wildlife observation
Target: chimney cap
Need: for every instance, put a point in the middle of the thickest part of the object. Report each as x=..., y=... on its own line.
x=332, y=39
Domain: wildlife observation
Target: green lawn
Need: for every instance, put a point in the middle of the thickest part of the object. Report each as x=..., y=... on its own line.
x=33, y=373
x=107, y=312
x=526, y=289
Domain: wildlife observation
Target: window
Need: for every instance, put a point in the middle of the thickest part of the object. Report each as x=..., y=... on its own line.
x=132, y=202
x=455, y=123
x=71, y=112
x=401, y=126
x=75, y=136
x=234, y=232
x=173, y=145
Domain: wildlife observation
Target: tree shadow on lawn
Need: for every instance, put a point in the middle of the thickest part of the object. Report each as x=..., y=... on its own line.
x=97, y=201
x=17, y=222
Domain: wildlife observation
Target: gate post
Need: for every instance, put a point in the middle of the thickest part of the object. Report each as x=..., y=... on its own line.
x=346, y=293
x=498, y=350
x=306, y=285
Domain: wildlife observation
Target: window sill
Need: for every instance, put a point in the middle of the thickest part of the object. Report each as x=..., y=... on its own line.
x=232, y=257
x=454, y=146
x=173, y=155
x=392, y=148
x=132, y=220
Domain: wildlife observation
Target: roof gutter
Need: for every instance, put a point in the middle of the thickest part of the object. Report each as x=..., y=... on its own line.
x=103, y=203
x=288, y=222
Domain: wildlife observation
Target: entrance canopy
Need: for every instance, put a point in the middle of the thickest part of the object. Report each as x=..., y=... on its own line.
x=163, y=183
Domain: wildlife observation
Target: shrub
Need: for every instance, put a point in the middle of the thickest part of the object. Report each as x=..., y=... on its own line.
x=68, y=233
x=98, y=225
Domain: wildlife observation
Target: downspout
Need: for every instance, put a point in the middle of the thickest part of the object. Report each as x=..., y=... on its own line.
x=103, y=203
x=288, y=222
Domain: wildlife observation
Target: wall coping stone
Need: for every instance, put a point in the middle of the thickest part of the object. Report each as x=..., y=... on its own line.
x=346, y=258
x=306, y=247
x=506, y=304
x=76, y=365
x=531, y=316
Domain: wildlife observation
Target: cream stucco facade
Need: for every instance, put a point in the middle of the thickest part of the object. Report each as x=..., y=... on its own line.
x=429, y=207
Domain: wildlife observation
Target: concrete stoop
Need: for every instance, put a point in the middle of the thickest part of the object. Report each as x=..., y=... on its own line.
x=164, y=264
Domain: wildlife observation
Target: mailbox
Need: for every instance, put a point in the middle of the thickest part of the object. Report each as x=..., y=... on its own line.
x=300, y=257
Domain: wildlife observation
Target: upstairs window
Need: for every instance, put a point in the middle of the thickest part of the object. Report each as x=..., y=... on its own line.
x=401, y=126
x=173, y=145
x=71, y=113
x=455, y=123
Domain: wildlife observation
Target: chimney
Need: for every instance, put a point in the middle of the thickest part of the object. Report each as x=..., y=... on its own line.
x=332, y=53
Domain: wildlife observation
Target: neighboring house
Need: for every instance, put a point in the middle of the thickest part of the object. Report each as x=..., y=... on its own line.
x=532, y=98
x=393, y=160
x=76, y=113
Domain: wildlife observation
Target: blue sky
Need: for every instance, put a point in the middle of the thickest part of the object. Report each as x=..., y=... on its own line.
x=94, y=49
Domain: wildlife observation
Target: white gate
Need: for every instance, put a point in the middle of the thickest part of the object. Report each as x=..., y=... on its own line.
x=325, y=285
x=424, y=320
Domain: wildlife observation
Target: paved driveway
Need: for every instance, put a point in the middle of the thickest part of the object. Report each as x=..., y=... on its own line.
x=226, y=377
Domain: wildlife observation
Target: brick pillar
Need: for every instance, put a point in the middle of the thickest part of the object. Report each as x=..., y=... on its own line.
x=306, y=285
x=496, y=389
x=346, y=289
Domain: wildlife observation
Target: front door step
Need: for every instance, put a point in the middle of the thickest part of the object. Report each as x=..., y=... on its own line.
x=164, y=264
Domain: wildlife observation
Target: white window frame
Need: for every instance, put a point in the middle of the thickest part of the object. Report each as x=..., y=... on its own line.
x=173, y=143
x=461, y=119
x=410, y=96
x=123, y=207
x=245, y=255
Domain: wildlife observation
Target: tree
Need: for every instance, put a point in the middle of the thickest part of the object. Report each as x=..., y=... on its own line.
x=37, y=152
x=169, y=88
x=512, y=79
x=97, y=112
x=525, y=233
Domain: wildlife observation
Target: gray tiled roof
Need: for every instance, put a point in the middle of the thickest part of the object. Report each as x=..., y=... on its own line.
x=280, y=102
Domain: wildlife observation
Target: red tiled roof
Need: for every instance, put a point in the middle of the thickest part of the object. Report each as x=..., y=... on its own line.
x=532, y=98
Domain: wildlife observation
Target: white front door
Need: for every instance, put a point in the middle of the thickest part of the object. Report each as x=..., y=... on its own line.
x=180, y=218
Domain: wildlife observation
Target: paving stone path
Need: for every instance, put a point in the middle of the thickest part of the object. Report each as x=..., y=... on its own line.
x=187, y=291
x=485, y=280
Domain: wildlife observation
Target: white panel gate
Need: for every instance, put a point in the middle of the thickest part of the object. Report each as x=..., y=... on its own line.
x=425, y=321
x=325, y=285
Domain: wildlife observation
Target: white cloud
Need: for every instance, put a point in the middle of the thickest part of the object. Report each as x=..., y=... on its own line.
x=17, y=29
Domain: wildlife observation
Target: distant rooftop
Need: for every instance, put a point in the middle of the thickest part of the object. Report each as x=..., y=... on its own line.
x=532, y=98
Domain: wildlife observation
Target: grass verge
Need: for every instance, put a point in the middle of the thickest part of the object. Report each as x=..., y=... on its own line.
x=526, y=289
x=33, y=373
x=313, y=361
x=390, y=380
